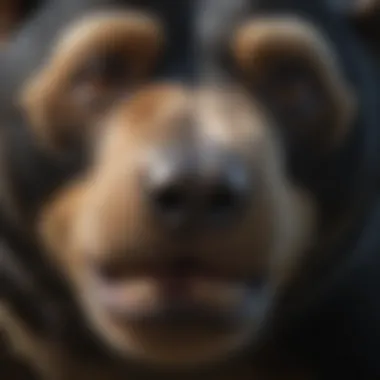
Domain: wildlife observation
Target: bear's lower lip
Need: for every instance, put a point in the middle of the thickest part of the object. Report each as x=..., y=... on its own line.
x=181, y=315
x=172, y=300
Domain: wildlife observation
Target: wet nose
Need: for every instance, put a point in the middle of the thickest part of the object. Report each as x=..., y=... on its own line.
x=187, y=191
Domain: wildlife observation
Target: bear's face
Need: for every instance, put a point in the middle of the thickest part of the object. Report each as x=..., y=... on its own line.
x=176, y=236
x=187, y=218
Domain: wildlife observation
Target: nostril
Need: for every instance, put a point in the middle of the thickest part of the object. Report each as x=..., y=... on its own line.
x=170, y=199
x=223, y=203
x=222, y=200
x=172, y=204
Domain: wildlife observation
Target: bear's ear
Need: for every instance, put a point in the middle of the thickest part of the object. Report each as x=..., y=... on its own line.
x=294, y=68
x=85, y=74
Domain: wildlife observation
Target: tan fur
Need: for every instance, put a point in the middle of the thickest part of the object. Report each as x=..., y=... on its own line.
x=104, y=214
x=265, y=40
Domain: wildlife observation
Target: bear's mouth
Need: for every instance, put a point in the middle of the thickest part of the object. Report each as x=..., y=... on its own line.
x=179, y=293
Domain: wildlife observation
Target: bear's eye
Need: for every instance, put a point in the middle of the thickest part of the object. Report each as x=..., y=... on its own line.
x=284, y=78
x=102, y=77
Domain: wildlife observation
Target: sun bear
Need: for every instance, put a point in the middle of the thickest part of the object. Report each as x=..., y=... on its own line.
x=184, y=185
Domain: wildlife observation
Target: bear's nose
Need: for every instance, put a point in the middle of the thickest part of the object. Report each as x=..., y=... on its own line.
x=187, y=189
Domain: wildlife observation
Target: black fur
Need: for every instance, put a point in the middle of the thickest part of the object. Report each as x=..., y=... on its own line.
x=331, y=319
